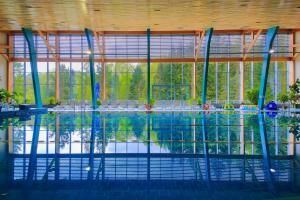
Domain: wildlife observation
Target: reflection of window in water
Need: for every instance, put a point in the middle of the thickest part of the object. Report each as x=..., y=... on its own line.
x=170, y=133
x=295, y=129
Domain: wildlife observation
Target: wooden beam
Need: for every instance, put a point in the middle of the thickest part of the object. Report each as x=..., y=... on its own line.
x=57, y=80
x=142, y=60
x=198, y=47
x=252, y=43
x=50, y=48
x=103, y=64
x=10, y=76
x=296, y=45
x=11, y=46
x=96, y=36
x=291, y=64
x=175, y=32
x=4, y=54
x=241, y=70
x=4, y=46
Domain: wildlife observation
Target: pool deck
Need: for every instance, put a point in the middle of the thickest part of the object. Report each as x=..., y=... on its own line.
x=179, y=109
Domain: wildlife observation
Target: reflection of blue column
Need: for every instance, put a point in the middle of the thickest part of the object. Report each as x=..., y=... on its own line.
x=90, y=40
x=92, y=147
x=266, y=153
x=148, y=147
x=32, y=166
x=265, y=68
x=103, y=149
x=33, y=64
x=208, y=35
x=205, y=150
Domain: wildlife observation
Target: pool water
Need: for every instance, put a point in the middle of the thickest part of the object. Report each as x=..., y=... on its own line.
x=150, y=156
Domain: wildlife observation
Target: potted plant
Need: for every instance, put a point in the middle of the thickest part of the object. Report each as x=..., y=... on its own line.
x=199, y=102
x=150, y=105
x=294, y=94
x=99, y=103
x=52, y=101
x=252, y=97
x=283, y=98
x=4, y=96
x=194, y=101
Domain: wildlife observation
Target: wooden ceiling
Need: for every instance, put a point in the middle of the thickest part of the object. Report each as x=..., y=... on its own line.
x=130, y=15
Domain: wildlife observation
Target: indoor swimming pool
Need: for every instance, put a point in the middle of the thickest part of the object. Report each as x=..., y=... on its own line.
x=171, y=155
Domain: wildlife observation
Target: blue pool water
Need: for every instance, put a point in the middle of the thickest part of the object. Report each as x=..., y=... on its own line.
x=150, y=156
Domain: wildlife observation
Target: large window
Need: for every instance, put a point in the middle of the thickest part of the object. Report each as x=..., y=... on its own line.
x=278, y=78
x=121, y=68
x=171, y=81
x=125, y=81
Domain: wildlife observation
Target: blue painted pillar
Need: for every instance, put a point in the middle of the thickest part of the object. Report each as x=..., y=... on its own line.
x=208, y=36
x=266, y=63
x=90, y=40
x=148, y=65
x=33, y=64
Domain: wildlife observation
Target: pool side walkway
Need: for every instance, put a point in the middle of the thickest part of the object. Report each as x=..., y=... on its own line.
x=178, y=109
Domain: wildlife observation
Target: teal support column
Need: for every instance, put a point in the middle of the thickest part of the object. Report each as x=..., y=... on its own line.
x=148, y=66
x=266, y=63
x=90, y=40
x=33, y=64
x=208, y=36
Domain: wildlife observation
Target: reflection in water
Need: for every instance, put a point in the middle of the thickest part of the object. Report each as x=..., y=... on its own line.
x=216, y=150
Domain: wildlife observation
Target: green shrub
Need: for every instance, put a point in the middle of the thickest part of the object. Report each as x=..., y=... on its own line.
x=252, y=96
x=4, y=96
x=199, y=101
x=294, y=93
x=52, y=100
x=283, y=98
x=152, y=102
x=99, y=103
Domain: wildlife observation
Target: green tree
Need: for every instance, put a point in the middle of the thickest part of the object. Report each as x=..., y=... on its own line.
x=137, y=84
